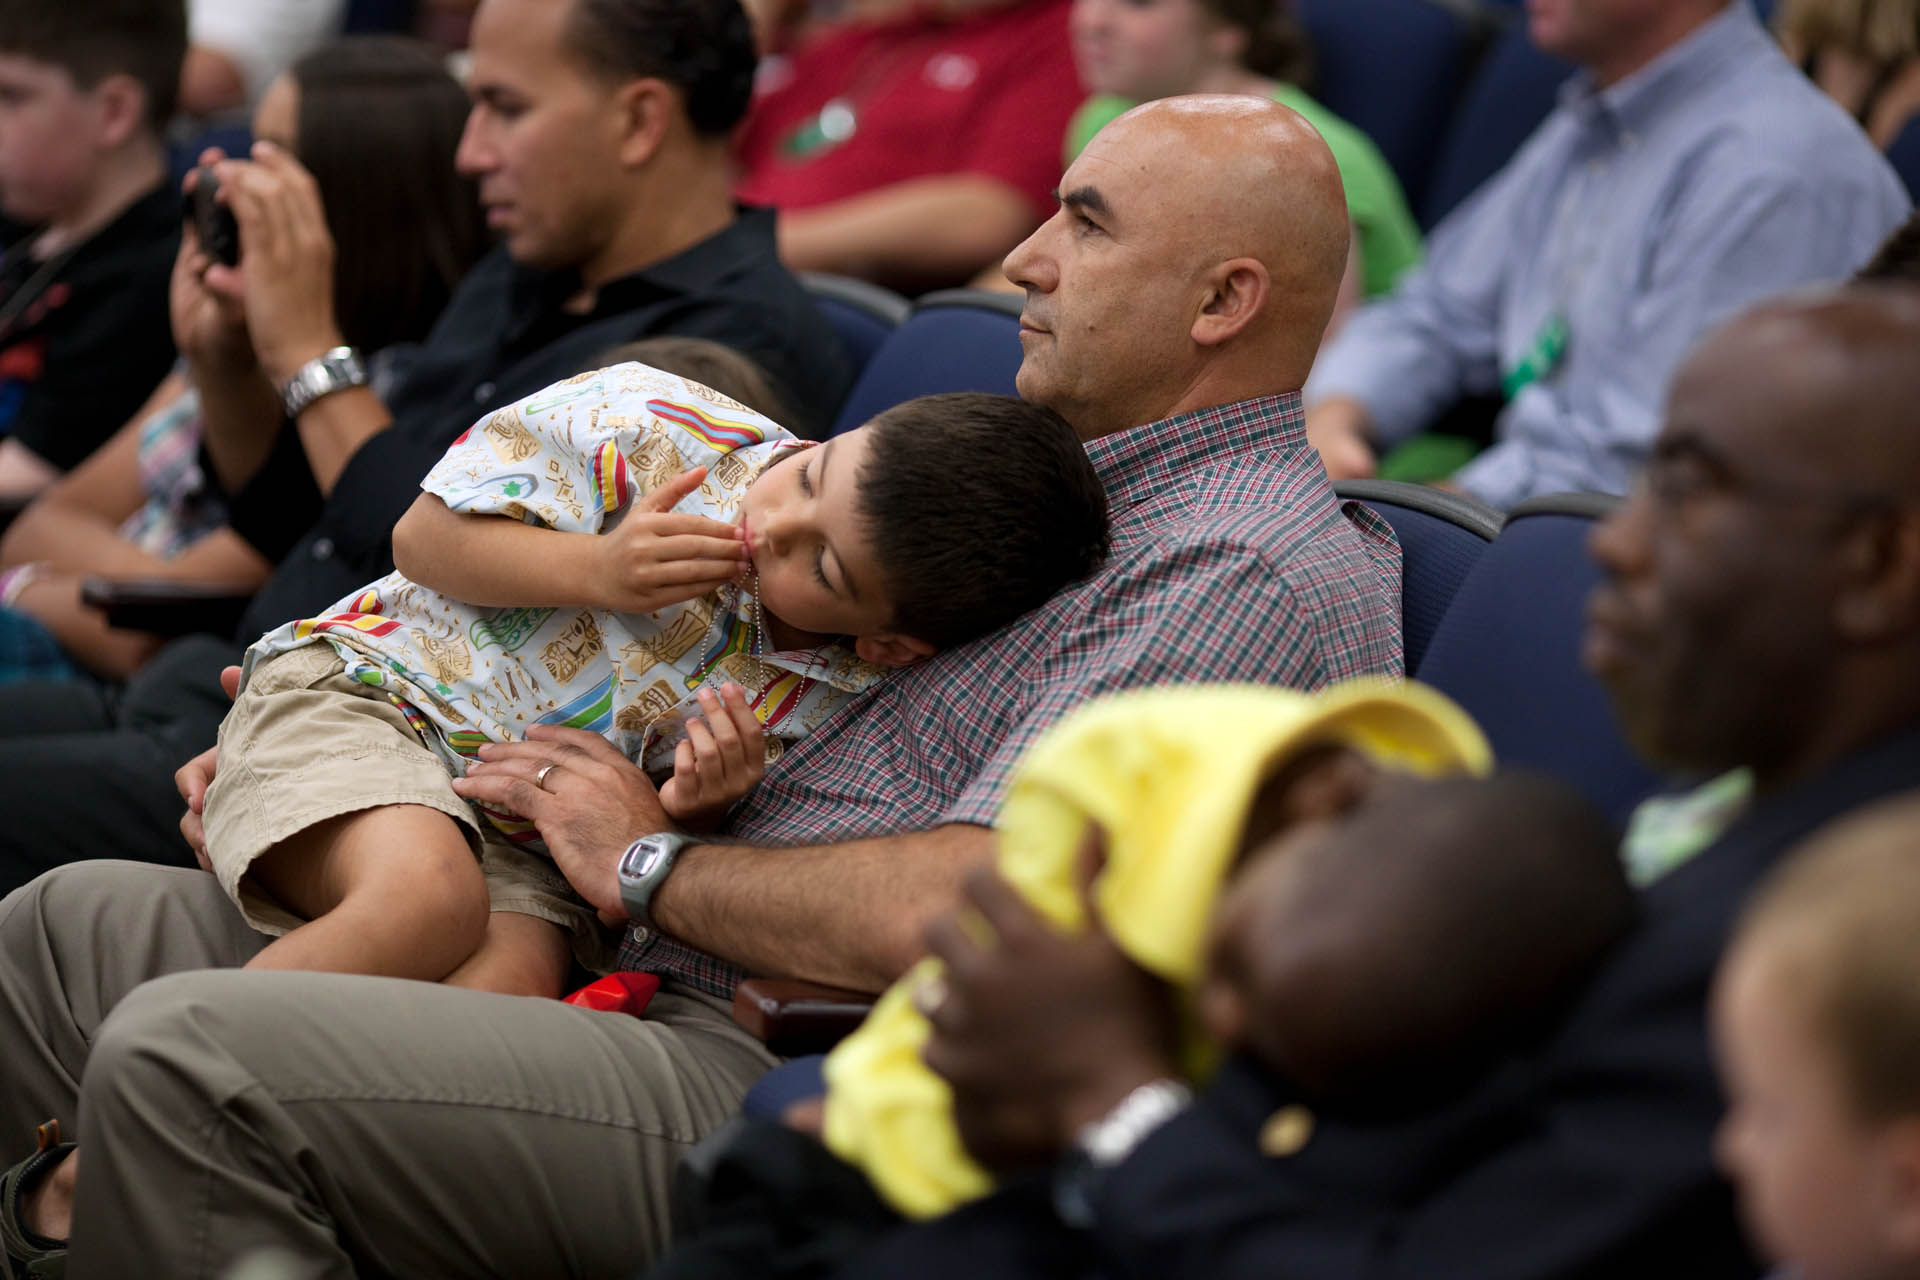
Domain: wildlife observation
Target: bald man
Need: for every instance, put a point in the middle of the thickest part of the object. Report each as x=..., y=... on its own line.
x=1758, y=623
x=1174, y=302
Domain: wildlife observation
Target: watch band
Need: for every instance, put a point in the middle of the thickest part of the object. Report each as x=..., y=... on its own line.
x=331, y=371
x=1099, y=1146
x=644, y=868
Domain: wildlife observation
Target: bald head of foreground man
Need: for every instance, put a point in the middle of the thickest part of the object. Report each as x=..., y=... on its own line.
x=1762, y=595
x=1194, y=261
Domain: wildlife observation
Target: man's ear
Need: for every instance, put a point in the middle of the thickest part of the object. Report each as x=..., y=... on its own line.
x=1879, y=598
x=1236, y=292
x=647, y=107
x=120, y=106
x=892, y=649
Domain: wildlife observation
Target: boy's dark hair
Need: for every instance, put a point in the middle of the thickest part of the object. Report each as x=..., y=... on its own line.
x=379, y=121
x=702, y=47
x=1445, y=926
x=713, y=365
x=94, y=39
x=1898, y=258
x=980, y=508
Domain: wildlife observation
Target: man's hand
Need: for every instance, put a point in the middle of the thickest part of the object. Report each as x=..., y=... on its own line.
x=723, y=757
x=1338, y=429
x=1039, y=1033
x=209, y=326
x=657, y=557
x=287, y=254
x=194, y=777
x=588, y=807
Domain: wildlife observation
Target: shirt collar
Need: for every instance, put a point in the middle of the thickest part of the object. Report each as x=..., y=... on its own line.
x=1148, y=461
x=737, y=247
x=1658, y=89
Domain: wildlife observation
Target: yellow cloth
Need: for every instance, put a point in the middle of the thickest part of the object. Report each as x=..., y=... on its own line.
x=1169, y=775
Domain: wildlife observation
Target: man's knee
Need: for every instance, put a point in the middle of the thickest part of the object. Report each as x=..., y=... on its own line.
x=165, y=1050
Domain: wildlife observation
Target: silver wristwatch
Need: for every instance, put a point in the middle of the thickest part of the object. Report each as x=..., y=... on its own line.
x=335, y=370
x=643, y=869
x=1099, y=1146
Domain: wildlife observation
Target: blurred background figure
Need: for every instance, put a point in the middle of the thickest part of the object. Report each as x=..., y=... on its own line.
x=1129, y=51
x=375, y=119
x=237, y=48
x=911, y=145
x=1864, y=54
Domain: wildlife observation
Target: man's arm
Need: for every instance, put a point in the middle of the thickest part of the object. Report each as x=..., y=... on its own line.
x=1399, y=360
x=1731, y=238
x=286, y=281
x=848, y=914
x=926, y=229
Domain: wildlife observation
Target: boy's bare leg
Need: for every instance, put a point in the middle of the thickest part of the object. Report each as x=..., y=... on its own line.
x=394, y=891
x=522, y=956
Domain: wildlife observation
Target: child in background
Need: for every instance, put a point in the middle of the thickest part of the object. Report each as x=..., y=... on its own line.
x=673, y=571
x=86, y=89
x=1816, y=1020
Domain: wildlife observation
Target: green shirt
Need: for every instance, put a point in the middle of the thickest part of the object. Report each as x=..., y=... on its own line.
x=1389, y=237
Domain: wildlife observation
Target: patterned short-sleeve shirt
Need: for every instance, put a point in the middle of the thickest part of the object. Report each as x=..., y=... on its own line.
x=574, y=457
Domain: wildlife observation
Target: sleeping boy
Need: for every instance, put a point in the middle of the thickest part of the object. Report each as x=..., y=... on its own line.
x=632, y=553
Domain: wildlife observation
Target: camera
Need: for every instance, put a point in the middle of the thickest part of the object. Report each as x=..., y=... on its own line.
x=212, y=221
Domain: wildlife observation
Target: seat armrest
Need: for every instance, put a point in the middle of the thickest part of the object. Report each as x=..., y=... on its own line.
x=792, y=1017
x=166, y=607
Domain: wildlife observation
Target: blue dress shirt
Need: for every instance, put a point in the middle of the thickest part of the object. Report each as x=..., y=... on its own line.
x=1634, y=219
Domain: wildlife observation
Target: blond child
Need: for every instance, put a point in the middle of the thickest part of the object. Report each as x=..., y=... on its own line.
x=1816, y=1023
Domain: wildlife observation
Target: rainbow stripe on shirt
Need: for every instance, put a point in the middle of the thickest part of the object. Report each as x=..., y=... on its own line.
x=709, y=429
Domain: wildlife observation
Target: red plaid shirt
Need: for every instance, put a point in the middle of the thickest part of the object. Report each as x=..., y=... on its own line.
x=1232, y=561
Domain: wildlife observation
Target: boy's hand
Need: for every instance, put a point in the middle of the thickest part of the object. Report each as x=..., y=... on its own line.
x=723, y=758
x=658, y=557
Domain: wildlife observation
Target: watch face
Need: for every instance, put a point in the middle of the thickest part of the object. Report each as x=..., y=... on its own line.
x=642, y=857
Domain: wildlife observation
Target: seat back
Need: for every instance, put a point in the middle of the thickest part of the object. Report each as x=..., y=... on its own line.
x=954, y=340
x=1441, y=538
x=1513, y=89
x=861, y=315
x=1392, y=67
x=1508, y=650
x=1903, y=153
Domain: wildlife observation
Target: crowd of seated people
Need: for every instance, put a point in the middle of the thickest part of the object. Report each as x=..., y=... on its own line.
x=1075, y=728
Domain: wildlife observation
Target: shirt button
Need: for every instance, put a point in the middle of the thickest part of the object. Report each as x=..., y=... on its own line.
x=641, y=933
x=483, y=393
x=323, y=548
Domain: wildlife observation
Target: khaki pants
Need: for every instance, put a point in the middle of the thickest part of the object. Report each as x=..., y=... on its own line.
x=356, y=1125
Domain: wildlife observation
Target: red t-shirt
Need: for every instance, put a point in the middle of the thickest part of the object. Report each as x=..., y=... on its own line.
x=865, y=106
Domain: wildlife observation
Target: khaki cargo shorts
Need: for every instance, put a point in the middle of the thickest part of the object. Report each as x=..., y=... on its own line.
x=306, y=743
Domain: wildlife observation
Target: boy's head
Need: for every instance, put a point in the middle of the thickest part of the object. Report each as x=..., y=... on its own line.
x=1386, y=957
x=82, y=82
x=1816, y=1021
x=935, y=523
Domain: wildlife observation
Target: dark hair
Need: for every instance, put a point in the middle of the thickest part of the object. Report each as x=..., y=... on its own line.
x=980, y=508
x=379, y=121
x=1277, y=45
x=704, y=48
x=1899, y=257
x=95, y=39
x=709, y=363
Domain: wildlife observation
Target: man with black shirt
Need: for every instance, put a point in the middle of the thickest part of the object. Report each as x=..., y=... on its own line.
x=85, y=89
x=598, y=134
